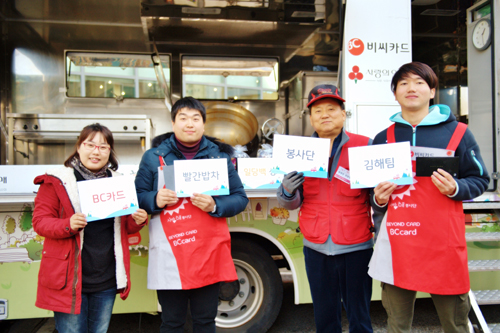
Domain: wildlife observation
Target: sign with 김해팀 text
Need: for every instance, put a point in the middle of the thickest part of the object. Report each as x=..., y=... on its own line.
x=107, y=197
x=255, y=173
x=206, y=176
x=370, y=165
x=302, y=154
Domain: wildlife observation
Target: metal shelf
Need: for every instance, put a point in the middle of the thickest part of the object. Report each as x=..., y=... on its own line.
x=482, y=236
x=484, y=265
x=484, y=297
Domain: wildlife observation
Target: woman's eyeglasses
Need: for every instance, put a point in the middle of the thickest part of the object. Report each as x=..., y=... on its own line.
x=102, y=148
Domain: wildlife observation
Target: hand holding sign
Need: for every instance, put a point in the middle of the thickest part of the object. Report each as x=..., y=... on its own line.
x=166, y=197
x=140, y=216
x=77, y=221
x=204, y=202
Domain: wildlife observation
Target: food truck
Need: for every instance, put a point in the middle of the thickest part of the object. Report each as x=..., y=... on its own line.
x=123, y=63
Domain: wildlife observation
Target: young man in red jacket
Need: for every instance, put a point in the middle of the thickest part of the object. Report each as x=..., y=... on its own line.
x=335, y=221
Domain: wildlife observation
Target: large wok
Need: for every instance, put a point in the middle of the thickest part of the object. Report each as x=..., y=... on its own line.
x=231, y=123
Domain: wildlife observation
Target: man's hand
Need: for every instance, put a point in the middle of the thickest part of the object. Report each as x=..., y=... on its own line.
x=204, y=202
x=140, y=216
x=292, y=181
x=444, y=182
x=166, y=197
x=383, y=192
x=77, y=221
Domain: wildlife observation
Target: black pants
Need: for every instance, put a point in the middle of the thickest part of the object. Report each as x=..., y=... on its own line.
x=174, y=304
x=336, y=280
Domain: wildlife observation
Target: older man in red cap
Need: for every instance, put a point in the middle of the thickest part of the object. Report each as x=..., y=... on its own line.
x=335, y=221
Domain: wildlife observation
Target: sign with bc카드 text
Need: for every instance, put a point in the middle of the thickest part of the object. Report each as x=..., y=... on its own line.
x=370, y=165
x=206, y=176
x=107, y=197
x=302, y=154
x=255, y=173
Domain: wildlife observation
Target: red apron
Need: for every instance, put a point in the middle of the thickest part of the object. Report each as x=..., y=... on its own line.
x=188, y=247
x=426, y=230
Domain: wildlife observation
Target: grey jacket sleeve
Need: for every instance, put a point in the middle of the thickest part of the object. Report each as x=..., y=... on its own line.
x=290, y=203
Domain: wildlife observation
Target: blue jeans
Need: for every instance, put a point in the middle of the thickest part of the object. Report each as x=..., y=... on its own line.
x=94, y=316
x=336, y=280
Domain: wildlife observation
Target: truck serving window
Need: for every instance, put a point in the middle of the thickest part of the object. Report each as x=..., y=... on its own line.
x=116, y=75
x=230, y=78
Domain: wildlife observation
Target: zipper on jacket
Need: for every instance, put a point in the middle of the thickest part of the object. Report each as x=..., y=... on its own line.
x=75, y=277
x=477, y=162
x=414, y=129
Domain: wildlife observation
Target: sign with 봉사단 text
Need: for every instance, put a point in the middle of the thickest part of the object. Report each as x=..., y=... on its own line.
x=370, y=165
x=204, y=176
x=107, y=197
x=302, y=154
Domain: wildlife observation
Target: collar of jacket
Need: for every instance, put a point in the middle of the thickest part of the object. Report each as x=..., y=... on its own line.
x=166, y=143
x=345, y=138
x=438, y=113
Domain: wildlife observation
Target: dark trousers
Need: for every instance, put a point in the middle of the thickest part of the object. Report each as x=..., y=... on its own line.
x=203, y=303
x=338, y=279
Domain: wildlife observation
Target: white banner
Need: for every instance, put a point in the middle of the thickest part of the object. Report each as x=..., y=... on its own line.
x=302, y=154
x=205, y=176
x=376, y=43
x=107, y=197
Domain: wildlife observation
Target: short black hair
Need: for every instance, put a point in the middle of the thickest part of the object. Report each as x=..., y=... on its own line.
x=415, y=68
x=190, y=103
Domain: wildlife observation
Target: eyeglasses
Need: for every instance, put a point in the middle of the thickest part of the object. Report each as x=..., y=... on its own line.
x=102, y=148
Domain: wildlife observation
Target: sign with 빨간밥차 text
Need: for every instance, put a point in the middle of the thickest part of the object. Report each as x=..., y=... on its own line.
x=206, y=176
x=370, y=165
x=302, y=154
x=107, y=197
x=255, y=173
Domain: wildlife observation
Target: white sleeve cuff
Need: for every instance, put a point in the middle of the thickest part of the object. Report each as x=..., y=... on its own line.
x=381, y=206
x=456, y=191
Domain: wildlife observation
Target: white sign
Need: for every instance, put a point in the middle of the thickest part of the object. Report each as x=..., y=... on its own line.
x=18, y=179
x=370, y=165
x=372, y=56
x=205, y=176
x=302, y=154
x=255, y=173
x=107, y=197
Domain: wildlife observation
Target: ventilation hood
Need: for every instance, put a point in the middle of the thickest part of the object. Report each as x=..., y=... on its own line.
x=236, y=27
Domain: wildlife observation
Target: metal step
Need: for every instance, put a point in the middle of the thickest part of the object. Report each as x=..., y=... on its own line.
x=484, y=265
x=482, y=236
x=487, y=296
x=494, y=328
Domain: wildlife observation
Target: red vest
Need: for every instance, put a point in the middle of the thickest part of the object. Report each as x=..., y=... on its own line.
x=331, y=207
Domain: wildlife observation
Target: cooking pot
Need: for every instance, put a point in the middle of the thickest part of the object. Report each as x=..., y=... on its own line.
x=231, y=123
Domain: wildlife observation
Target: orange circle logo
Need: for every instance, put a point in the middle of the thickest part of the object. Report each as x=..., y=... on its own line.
x=355, y=46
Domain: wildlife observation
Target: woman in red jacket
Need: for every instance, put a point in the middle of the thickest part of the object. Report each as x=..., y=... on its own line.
x=83, y=265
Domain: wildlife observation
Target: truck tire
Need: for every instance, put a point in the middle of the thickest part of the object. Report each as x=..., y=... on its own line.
x=258, y=301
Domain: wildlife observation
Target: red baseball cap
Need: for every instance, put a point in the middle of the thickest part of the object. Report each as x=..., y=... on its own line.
x=323, y=91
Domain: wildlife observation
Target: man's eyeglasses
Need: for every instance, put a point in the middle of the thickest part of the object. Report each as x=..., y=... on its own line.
x=102, y=148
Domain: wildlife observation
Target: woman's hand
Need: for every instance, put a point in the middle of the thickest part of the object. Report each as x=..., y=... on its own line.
x=77, y=221
x=140, y=216
x=383, y=192
x=166, y=197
